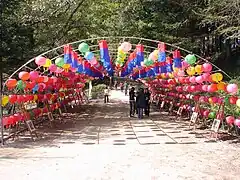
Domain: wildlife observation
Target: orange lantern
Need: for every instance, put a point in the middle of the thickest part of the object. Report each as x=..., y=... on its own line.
x=24, y=75
x=11, y=83
x=221, y=86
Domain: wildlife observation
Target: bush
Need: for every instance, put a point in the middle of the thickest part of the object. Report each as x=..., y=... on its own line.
x=98, y=91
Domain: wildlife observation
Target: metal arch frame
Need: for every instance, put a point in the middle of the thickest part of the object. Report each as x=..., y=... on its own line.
x=113, y=51
x=115, y=37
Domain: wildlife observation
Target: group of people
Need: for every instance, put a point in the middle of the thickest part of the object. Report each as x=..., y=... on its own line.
x=139, y=102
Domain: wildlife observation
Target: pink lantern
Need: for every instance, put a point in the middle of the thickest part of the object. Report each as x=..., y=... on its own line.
x=192, y=79
x=192, y=88
x=199, y=79
x=206, y=113
x=152, y=56
x=59, y=70
x=230, y=120
x=205, y=88
x=237, y=122
x=40, y=61
x=33, y=75
x=207, y=67
x=181, y=73
x=93, y=61
x=232, y=89
x=185, y=64
x=52, y=68
x=214, y=100
x=205, y=76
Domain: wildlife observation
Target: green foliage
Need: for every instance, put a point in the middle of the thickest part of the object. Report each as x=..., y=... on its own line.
x=30, y=27
x=98, y=91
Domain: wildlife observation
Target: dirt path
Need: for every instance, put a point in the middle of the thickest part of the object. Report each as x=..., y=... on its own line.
x=99, y=141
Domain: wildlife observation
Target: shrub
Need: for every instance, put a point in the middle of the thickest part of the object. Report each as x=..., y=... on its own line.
x=98, y=91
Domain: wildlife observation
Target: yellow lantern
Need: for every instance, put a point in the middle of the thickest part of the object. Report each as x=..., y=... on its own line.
x=35, y=98
x=48, y=63
x=170, y=75
x=155, y=52
x=176, y=70
x=191, y=71
x=66, y=66
x=198, y=69
x=5, y=100
x=238, y=103
x=217, y=77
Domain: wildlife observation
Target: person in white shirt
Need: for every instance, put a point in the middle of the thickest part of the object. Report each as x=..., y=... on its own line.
x=106, y=95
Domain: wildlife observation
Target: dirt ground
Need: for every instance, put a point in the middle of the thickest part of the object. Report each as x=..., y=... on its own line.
x=100, y=141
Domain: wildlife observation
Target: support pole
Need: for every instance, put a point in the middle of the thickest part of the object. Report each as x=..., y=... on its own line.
x=90, y=90
x=1, y=109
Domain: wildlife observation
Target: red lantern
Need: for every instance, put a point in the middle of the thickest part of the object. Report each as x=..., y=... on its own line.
x=20, y=99
x=212, y=88
x=233, y=100
x=12, y=98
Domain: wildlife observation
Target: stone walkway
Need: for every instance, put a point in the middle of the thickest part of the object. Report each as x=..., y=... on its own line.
x=99, y=141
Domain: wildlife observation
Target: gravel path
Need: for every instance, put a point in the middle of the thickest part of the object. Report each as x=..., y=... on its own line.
x=99, y=141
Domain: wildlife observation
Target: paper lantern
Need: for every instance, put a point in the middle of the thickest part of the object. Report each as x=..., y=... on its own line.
x=83, y=47
x=192, y=79
x=238, y=102
x=190, y=71
x=212, y=88
x=52, y=68
x=212, y=115
x=5, y=100
x=199, y=79
x=233, y=100
x=33, y=75
x=40, y=61
x=230, y=120
x=59, y=62
x=221, y=86
x=205, y=76
x=20, y=99
x=190, y=59
x=11, y=83
x=48, y=63
x=217, y=77
x=24, y=75
x=207, y=67
x=198, y=69
x=237, y=122
x=126, y=46
x=232, y=89
x=66, y=66
x=206, y=113
x=12, y=99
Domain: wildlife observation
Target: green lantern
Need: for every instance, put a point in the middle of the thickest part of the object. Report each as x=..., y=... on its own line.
x=212, y=115
x=191, y=59
x=59, y=62
x=83, y=47
x=21, y=85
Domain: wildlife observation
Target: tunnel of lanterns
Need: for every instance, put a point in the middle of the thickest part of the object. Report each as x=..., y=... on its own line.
x=174, y=75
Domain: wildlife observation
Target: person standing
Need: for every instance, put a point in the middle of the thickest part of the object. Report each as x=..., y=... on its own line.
x=121, y=86
x=132, y=101
x=115, y=84
x=106, y=95
x=126, y=88
x=147, y=95
x=141, y=103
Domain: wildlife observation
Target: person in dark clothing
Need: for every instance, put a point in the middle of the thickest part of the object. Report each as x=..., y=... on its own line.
x=132, y=101
x=141, y=103
x=147, y=100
